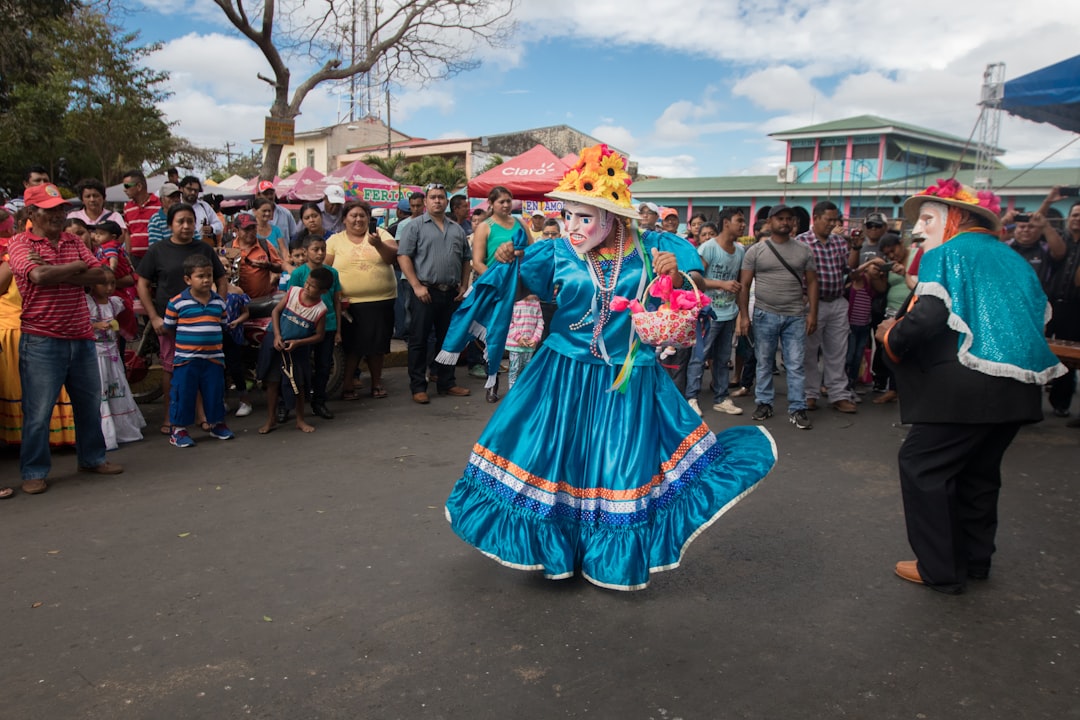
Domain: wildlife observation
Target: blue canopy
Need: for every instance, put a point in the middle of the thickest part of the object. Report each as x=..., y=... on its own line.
x=1050, y=95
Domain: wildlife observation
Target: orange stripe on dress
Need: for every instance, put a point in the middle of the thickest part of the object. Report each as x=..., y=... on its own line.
x=591, y=493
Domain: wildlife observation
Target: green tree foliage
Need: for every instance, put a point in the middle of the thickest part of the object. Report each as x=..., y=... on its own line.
x=391, y=166
x=434, y=169
x=493, y=162
x=83, y=93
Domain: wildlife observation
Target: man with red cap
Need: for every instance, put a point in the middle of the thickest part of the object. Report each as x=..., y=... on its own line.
x=51, y=269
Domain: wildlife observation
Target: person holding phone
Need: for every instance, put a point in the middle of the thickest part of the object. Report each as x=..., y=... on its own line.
x=206, y=220
x=1063, y=290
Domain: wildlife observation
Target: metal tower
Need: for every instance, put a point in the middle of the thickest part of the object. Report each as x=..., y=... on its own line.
x=989, y=125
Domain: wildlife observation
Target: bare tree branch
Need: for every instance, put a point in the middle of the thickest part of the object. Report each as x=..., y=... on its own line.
x=423, y=39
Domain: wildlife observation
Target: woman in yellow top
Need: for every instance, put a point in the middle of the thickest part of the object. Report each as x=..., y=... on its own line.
x=62, y=423
x=365, y=264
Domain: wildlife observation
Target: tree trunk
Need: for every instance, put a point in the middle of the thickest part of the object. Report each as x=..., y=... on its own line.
x=271, y=161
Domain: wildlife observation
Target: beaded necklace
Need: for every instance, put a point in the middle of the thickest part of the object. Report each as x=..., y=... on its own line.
x=604, y=291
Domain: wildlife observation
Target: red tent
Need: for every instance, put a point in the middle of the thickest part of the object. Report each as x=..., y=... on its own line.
x=529, y=176
x=302, y=185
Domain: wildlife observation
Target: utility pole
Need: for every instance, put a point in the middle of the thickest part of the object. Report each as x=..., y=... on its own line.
x=228, y=156
x=993, y=89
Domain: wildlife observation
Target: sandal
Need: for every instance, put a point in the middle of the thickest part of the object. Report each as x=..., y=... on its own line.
x=206, y=427
x=378, y=391
x=165, y=429
x=6, y=492
x=350, y=395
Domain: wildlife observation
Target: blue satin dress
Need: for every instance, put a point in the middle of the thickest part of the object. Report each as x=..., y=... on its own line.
x=569, y=477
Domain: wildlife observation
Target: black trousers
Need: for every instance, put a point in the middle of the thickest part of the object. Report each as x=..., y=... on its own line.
x=950, y=477
x=423, y=318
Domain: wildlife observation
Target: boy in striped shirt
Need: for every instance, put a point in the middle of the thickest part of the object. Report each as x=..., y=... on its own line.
x=196, y=316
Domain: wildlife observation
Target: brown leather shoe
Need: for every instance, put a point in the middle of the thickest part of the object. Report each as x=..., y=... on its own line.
x=886, y=397
x=105, y=468
x=811, y=403
x=456, y=391
x=34, y=487
x=909, y=570
x=421, y=397
x=844, y=406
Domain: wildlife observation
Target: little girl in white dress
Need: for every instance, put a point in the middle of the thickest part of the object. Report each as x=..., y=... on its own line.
x=121, y=419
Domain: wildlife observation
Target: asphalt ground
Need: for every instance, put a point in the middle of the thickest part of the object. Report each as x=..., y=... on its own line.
x=302, y=576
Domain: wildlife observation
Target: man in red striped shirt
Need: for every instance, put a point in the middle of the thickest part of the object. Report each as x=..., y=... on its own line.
x=141, y=206
x=57, y=345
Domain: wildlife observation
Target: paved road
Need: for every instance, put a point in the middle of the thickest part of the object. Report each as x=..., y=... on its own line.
x=294, y=577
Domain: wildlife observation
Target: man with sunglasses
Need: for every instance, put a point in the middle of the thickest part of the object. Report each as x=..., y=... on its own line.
x=140, y=207
x=435, y=259
x=874, y=228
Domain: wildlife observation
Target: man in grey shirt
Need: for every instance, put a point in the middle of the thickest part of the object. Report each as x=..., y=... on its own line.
x=876, y=226
x=782, y=315
x=435, y=259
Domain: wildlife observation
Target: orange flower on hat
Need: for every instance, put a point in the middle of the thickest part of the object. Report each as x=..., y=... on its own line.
x=592, y=156
x=569, y=181
x=588, y=183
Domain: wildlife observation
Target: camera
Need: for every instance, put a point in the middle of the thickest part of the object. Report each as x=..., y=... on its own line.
x=1022, y=217
x=1069, y=192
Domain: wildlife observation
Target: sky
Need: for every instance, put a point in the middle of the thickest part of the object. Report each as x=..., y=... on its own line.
x=689, y=88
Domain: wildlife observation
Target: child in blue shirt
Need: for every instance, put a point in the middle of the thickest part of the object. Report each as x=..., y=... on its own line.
x=298, y=320
x=315, y=249
x=195, y=316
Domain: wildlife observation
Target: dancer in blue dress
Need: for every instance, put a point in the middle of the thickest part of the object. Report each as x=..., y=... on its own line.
x=594, y=462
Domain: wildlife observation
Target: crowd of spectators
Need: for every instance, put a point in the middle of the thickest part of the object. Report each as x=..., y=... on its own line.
x=803, y=303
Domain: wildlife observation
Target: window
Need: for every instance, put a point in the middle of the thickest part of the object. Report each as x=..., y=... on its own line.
x=311, y=157
x=802, y=154
x=864, y=152
x=291, y=161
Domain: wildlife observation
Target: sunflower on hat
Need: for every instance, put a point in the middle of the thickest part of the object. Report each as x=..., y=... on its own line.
x=598, y=179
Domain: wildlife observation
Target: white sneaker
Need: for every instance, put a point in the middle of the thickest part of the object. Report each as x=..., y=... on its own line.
x=694, y=405
x=244, y=410
x=727, y=407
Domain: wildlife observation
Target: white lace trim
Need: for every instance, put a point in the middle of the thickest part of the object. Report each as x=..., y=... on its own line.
x=986, y=367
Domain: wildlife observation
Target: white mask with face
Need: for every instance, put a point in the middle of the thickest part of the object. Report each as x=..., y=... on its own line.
x=587, y=226
x=931, y=224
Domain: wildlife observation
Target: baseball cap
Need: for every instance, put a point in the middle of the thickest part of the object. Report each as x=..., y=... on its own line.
x=168, y=189
x=243, y=220
x=667, y=212
x=403, y=207
x=264, y=186
x=335, y=195
x=46, y=195
x=779, y=208
x=651, y=207
x=539, y=212
x=876, y=218
x=110, y=226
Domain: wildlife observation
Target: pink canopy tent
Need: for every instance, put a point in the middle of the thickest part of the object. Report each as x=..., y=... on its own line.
x=570, y=159
x=361, y=182
x=529, y=176
x=305, y=184
x=248, y=188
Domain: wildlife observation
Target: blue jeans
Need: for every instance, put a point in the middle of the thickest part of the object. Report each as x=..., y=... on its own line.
x=789, y=332
x=857, y=342
x=713, y=343
x=45, y=365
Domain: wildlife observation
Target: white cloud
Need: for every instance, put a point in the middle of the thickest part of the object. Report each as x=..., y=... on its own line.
x=616, y=136
x=407, y=103
x=667, y=165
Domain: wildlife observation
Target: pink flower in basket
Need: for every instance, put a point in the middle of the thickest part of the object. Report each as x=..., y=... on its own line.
x=673, y=323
